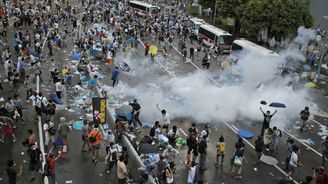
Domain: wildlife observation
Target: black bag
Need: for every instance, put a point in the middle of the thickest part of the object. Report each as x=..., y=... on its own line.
x=43, y=107
x=47, y=169
x=114, y=156
x=52, y=131
x=152, y=132
x=93, y=139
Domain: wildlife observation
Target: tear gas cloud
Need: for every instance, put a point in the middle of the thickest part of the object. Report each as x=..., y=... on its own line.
x=196, y=97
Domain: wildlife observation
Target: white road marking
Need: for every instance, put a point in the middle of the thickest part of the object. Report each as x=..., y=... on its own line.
x=183, y=132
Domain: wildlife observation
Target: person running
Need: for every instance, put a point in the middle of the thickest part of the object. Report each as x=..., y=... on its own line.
x=237, y=164
x=266, y=121
x=136, y=108
x=95, y=137
x=304, y=116
x=115, y=73
x=12, y=173
x=220, y=150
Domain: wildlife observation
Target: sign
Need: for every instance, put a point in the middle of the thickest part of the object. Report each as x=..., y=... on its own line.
x=99, y=110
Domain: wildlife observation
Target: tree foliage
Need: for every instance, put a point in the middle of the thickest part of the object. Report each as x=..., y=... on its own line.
x=280, y=17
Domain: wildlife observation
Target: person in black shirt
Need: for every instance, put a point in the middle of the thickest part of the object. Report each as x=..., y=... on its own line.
x=259, y=144
x=192, y=148
x=12, y=173
x=192, y=50
x=266, y=121
x=34, y=154
x=136, y=108
x=202, y=149
x=193, y=129
x=304, y=115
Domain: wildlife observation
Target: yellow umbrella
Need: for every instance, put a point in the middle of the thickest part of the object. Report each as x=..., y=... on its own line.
x=309, y=85
x=153, y=49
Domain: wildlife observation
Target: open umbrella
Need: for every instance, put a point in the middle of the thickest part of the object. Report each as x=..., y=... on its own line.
x=124, y=66
x=309, y=85
x=277, y=105
x=263, y=102
x=269, y=160
x=153, y=49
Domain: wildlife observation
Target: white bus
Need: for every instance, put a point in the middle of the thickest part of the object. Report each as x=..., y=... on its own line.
x=144, y=9
x=211, y=35
x=242, y=46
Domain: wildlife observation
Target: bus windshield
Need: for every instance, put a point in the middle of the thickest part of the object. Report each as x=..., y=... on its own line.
x=154, y=10
x=225, y=40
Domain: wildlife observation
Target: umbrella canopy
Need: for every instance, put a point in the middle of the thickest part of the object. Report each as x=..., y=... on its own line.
x=309, y=85
x=263, y=102
x=277, y=105
x=146, y=148
x=153, y=49
x=124, y=66
x=269, y=160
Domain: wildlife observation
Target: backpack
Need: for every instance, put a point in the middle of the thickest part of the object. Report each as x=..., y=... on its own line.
x=47, y=168
x=51, y=109
x=114, y=155
x=221, y=147
x=152, y=132
x=52, y=131
x=93, y=139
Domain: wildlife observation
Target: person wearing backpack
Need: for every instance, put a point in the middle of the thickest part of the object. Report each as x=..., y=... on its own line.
x=266, y=121
x=49, y=167
x=41, y=104
x=35, y=156
x=95, y=137
x=112, y=156
x=304, y=116
x=220, y=152
x=51, y=109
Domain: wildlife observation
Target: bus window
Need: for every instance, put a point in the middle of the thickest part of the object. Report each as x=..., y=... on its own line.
x=236, y=47
x=154, y=10
x=225, y=40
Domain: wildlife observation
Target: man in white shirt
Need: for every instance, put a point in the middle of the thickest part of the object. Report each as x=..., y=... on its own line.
x=294, y=162
x=59, y=88
x=192, y=172
x=165, y=116
x=49, y=133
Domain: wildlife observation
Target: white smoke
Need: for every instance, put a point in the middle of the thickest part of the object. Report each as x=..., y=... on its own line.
x=194, y=96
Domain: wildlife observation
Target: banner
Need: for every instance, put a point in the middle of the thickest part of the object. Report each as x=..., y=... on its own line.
x=99, y=110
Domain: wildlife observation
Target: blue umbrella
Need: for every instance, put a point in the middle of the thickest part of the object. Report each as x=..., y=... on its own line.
x=124, y=67
x=277, y=105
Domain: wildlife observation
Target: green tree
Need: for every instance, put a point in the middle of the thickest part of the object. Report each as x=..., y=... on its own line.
x=280, y=17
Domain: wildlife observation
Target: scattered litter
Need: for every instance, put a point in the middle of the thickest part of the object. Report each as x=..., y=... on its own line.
x=271, y=173
x=312, y=126
x=69, y=181
x=269, y=160
x=70, y=110
x=2, y=99
x=0, y=179
x=24, y=161
x=100, y=174
x=181, y=161
x=282, y=162
x=255, y=169
x=22, y=153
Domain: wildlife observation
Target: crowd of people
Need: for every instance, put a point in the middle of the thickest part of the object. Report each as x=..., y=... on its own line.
x=102, y=30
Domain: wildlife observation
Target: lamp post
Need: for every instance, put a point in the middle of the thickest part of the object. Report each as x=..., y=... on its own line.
x=215, y=10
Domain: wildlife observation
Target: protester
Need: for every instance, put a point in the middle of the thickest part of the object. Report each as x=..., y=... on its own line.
x=259, y=145
x=220, y=150
x=136, y=108
x=34, y=154
x=86, y=129
x=95, y=138
x=202, y=150
x=122, y=172
x=294, y=161
x=49, y=133
x=51, y=160
x=12, y=173
x=304, y=116
x=267, y=119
